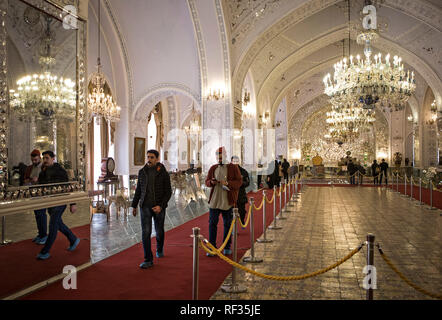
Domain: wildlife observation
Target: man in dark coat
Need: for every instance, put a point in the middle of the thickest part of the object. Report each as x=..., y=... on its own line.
x=285, y=169
x=384, y=167
x=375, y=172
x=242, y=195
x=351, y=171
x=152, y=193
x=274, y=178
x=53, y=172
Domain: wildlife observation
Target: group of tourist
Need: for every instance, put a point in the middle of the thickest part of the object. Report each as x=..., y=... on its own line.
x=378, y=172
x=228, y=183
x=280, y=171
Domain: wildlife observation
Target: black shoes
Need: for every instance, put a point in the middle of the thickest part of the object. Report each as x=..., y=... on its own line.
x=146, y=265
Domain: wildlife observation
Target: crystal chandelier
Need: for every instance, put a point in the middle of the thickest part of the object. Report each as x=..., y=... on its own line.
x=44, y=95
x=370, y=81
x=346, y=123
x=194, y=128
x=100, y=103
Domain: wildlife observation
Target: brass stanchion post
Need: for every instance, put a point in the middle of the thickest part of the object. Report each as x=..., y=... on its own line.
x=420, y=193
x=274, y=227
x=296, y=195
x=280, y=217
x=405, y=185
x=264, y=221
x=370, y=264
x=234, y=287
x=285, y=195
x=252, y=258
x=431, y=196
x=196, y=240
x=4, y=241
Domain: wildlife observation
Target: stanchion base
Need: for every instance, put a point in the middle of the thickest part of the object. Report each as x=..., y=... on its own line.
x=5, y=242
x=275, y=228
x=419, y=204
x=281, y=218
x=264, y=240
x=236, y=288
x=431, y=208
x=252, y=260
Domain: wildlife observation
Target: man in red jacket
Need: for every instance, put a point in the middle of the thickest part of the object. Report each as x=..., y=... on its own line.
x=225, y=180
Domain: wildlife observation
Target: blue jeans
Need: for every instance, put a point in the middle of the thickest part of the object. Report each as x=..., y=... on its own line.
x=42, y=222
x=55, y=224
x=353, y=179
x=146, y=231
x=213, y=225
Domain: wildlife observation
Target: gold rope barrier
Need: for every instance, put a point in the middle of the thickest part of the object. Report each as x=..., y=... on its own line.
x=277, y=278
x=260, y=206
x=246, y=223
x=273, y=198
x=227, y=238
x=411, y=284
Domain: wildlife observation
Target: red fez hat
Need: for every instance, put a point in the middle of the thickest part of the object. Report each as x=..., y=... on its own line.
x=221, y=150
x=35, y=153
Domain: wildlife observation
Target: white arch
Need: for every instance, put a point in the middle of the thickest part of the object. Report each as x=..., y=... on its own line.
x=161, y=91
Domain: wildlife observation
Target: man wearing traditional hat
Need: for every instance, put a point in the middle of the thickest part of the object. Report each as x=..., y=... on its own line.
x=31, y=177
x=224, y=179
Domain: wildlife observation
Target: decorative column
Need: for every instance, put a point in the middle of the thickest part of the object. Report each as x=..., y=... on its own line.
x=4, y=127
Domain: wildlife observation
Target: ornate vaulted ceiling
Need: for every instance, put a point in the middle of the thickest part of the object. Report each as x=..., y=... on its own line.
x=290, y=45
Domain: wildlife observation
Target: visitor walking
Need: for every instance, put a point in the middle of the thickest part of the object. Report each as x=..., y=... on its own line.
x=152, y=194
x=224, y=180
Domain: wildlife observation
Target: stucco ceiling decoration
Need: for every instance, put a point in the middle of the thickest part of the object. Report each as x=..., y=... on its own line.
x=244, y=14
x=426, y=13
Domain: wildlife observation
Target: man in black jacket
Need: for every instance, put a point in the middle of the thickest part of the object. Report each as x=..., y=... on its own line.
x=52, y=172
x=153, y=193
x=351, y=171
x=384, y=167
x=285, y=169
x=242, y=195
x=375, y=172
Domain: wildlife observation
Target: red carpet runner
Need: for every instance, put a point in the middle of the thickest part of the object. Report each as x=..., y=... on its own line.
x=19, y=269
x=119, y=277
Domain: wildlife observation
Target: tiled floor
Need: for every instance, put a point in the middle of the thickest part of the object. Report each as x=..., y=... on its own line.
x=325, y=225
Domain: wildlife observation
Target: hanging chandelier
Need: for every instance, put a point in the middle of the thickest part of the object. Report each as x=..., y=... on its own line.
x=44, y=96
x=100, y=103
x=194, y=128
x=369, y=81
x=347, y=123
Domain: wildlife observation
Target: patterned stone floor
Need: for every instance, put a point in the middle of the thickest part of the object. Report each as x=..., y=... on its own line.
x=325, y=225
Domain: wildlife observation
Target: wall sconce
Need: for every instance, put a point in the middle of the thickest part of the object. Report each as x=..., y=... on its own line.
x=215, y=94
x=433, y=116
x=410, y=118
